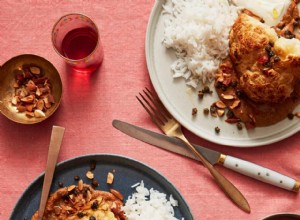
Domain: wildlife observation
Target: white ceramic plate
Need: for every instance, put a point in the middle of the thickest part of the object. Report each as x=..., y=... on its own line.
x=180, y=100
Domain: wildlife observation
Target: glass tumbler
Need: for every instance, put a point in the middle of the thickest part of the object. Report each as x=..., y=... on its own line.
x=76, y=38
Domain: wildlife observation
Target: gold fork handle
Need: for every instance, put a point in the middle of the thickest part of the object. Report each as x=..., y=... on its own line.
x=231, y=191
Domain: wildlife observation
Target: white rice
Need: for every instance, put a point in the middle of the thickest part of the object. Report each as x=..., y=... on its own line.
x=145, y=204
x=198, y=31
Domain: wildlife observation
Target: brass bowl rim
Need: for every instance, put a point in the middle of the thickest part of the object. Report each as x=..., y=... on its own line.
x=57, y=104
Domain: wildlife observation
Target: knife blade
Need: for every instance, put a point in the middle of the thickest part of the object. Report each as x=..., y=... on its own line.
x=214, y=157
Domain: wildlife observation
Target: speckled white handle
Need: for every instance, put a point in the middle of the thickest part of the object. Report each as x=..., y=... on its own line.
x=260, y=173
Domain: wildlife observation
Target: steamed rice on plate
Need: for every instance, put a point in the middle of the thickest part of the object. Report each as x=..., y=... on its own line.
x=149, y=204
x=198, y=31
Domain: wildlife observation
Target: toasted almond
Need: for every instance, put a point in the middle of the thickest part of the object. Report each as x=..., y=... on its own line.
x=29, y=114
x=297, y=114
x=31, y=87
x=89, y=175
x=44, y=90
x=21, y=108
x=35, y=70
x=15, y=100
x=221, y=112
x=71, y=196
x=220, y=77
x=39, y=114
x=38, y=92
x=71, y=188
x=28, y=99
x=47, y=102
x=227, y=97
x=22, y=92
x=80, y=184
x=29, y=107
x=88, y=196
x=110, y=178
x=40, y=104
x=235, y=104
x=220, y=104
x=51, y=98
x=117, y=194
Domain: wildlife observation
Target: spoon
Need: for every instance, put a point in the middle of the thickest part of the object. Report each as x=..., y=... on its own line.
x=55, y=143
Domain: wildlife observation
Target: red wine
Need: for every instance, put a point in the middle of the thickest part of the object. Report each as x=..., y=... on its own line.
x=79, y=43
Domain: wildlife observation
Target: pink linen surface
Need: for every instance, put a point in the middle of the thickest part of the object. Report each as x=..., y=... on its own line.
x=90, y=103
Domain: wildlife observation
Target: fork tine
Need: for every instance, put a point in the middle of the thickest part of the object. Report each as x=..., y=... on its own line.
x=154, y=118
x=156, y=101
x=154, y=108
x=157, y=111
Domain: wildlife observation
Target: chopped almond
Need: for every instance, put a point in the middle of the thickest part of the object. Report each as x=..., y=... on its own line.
x=227, y=97
x=32, y=92
x=235, y=104
x=35, y=70
x=39, y=114
x=21, y=108
x=117, y=194
x=90, y=174
x=220, y=104
x=15, y=100
x=110, y=178
x=221, y=112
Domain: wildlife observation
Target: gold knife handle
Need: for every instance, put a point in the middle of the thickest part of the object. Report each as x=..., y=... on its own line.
x=222, y=159
x=230, y=190
x=296, y=186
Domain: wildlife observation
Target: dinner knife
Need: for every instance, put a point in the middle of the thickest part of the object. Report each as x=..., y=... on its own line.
x=238, y=165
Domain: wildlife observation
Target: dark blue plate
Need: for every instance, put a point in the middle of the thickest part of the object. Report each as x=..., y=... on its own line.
x=127, y=172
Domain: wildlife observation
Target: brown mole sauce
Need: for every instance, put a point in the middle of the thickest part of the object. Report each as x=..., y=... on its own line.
x=251, y=113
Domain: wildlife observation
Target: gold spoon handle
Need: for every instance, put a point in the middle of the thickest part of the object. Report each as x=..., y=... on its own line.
x=231, y=191
x=54, y=147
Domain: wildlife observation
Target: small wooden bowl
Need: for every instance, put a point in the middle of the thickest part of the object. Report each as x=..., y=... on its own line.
x=7, y=90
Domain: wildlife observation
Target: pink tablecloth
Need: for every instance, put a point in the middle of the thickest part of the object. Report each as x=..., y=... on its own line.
x=91, y=103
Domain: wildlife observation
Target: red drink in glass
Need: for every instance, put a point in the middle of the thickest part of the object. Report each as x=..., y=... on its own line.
x=76, y=38
x=79, y=43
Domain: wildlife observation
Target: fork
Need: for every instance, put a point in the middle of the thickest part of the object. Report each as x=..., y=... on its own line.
x=171, y=127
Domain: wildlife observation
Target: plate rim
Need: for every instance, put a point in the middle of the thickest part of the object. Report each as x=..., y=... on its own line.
x=244, y=143
x=95, y=155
